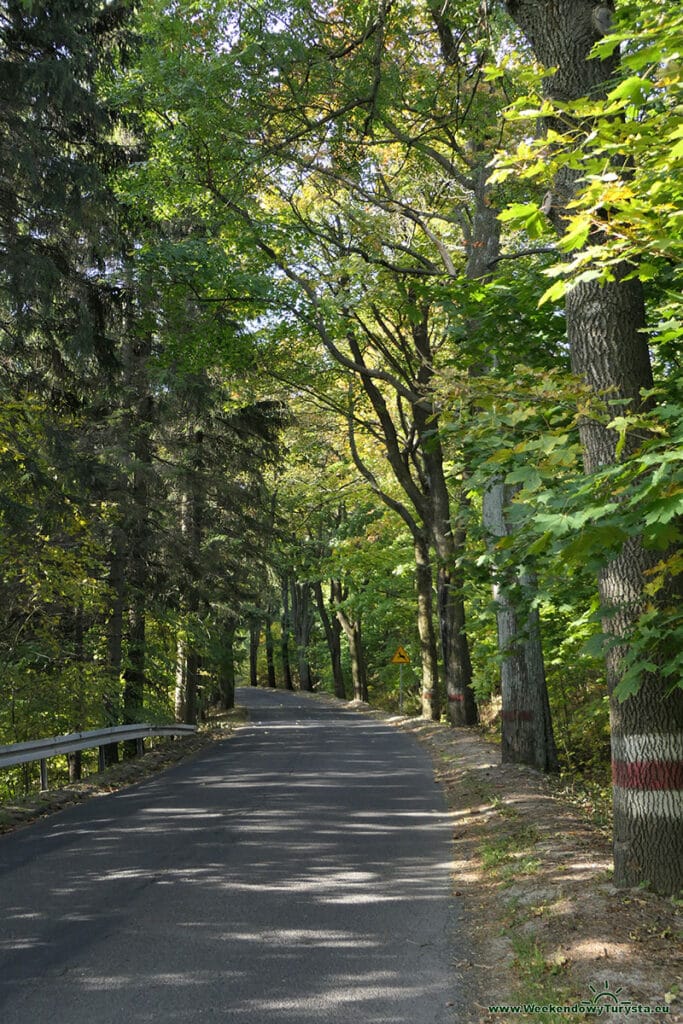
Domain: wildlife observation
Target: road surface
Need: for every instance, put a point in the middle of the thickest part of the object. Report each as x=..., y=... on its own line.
x=296, y=873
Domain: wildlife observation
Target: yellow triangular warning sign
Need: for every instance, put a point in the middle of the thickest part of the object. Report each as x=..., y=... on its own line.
x=401, y=657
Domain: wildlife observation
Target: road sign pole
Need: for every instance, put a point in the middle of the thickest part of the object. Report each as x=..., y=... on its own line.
x=400, y=687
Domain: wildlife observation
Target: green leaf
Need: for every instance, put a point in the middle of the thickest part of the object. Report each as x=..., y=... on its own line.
x=556, y=292
x=632, y=89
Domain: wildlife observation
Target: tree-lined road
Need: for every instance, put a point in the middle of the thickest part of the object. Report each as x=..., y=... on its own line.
x=298, y=872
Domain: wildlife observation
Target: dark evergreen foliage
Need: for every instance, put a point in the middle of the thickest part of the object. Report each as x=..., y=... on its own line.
x=58, y=140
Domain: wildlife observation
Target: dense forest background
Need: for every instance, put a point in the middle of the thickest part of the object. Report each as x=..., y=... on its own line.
x=329, y=328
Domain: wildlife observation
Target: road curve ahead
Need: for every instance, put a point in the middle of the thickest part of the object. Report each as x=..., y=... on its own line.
x=297, y=873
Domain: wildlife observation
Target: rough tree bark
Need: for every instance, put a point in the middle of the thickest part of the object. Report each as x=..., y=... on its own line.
x=193, y=524
x=333, y=630
x=75, y=759
x=526, y=726
x=354, y=634
x=286, y=623
x=116, y=581
x=225, y=679
x=448, y=543
x=302, y=622
x=137, y=355
x=254, y=641
x=610, y=352
x=270, y=653
x=180, y=681
x=424, y=584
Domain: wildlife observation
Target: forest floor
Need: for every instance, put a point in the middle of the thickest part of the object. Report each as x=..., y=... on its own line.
x=532, y=875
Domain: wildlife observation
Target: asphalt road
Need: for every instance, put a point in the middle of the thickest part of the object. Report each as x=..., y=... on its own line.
x=298, y=873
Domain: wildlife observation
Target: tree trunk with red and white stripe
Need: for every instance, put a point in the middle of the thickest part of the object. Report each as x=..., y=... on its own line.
x=610, y=352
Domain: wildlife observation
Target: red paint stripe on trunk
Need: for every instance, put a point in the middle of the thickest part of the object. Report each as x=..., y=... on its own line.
x=516, y=716
x=456, y=696
x=648, y=774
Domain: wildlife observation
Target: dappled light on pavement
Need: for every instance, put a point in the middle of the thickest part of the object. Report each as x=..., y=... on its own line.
x=298, y=872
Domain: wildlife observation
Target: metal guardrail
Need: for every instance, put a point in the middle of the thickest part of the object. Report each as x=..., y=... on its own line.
x=41, y=750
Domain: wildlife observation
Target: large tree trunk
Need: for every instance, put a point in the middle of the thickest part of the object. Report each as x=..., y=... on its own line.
x=333, y=630
x=610, y=352
x=526, y=726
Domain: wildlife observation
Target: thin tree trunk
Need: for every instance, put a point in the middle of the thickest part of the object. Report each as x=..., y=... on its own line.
x=284, y=641
x=180, y=680
x=448, y=544
x=254, y=641
x=75, y=759
x=526, y=727
x=111, y=700
x=354, y=635
x=134, y=673
x=430, y=697
x=270, y=653
x=301, y=613
x=195, y=515
x=333, y=630
x=193, y=664
x=138, y=537
x=226, y=670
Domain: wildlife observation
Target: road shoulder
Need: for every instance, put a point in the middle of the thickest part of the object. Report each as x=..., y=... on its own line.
x=534, y=879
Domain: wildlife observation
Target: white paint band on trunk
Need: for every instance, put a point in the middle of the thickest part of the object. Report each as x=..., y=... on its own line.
x=649, y=803
x=665, y=746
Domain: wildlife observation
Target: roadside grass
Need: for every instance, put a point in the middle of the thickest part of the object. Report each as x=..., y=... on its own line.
x=538, y=983
x=508, y=856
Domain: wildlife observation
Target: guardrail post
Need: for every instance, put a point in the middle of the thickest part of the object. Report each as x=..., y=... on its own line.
x=43, y=775
x=101, y=760
x=139, y=746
